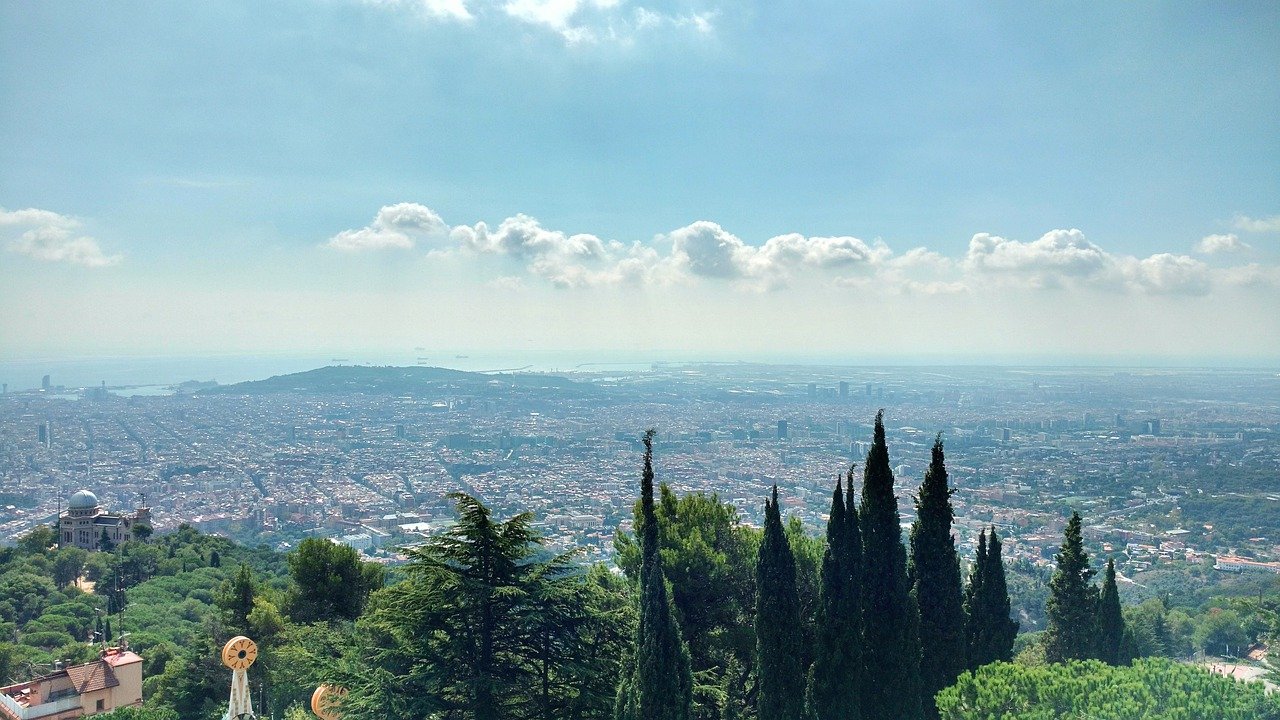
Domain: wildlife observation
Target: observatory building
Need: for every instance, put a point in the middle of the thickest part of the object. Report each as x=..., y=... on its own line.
x=85, y=522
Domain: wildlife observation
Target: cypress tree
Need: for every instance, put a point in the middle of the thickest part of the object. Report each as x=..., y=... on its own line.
x=662, y=685
x=891, y=660
x=989, y=631
x=1111, y=630
x=1073, y=601
x=973, y=610
x=833, y=687
x=779, y=671
x=934, y=572
x=1002, y=630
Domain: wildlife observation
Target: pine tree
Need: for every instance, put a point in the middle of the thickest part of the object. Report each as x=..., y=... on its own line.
x=1073, y=601
x=934, y=572
x=1110, y=639
x=891, y=661
x=779, y=671
x=661, y=687
x=833, y=679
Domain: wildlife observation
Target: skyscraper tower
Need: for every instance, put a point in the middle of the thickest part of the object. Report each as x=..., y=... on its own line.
x=45, y=384
x=844, y=389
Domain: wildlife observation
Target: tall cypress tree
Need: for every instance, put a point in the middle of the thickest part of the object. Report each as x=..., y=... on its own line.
x=833, y=686
x=662, y=685
x=779, y=671
x=1002, y=629
x=934, y=573
x=1072, y=605
x=990, y=631
x=1110, y=639
x=891, y=660
x=973, y=611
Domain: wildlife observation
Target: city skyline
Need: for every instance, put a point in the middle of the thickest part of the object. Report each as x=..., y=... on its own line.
x=611, y=179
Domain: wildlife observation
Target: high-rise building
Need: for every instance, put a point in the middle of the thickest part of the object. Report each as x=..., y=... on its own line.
x=42, y=433
x=1153, y=426
x=844, y=389
x=782, y=429
x=44, y=383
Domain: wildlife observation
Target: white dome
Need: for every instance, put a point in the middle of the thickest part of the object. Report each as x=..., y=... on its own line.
x=83, y=500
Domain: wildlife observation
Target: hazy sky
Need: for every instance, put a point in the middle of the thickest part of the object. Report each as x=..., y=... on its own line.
x=737, y=179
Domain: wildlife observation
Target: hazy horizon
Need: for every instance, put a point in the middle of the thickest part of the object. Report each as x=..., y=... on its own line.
x=687, y=178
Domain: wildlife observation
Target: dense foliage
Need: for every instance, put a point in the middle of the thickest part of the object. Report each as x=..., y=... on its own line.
x=1148, y=690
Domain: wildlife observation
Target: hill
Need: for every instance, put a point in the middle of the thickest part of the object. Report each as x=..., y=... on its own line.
x=388, y=380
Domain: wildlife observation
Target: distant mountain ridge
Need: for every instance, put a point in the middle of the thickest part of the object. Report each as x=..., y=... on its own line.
x=391, y=380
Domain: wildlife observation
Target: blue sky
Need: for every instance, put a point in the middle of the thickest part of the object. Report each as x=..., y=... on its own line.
x=737, y=179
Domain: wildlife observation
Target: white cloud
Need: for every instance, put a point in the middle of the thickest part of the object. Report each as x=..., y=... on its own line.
x=1258, y=225
x=705, y=252
x=523, y=237
x=708, y=250
x=430, y=9
x=577, y=22
x=1057, y=255
x=1167, y=274
x=394, y=227
x=51, y=237
x=1213, y=244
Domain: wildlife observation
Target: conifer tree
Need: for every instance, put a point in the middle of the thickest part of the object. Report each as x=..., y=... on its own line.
x=989, y=631
x=934, y=572
x=1072, y=605
x=1002, y=630
x=1110, y=639
x=661, y=687
x=973, y=611
x=891, y=661
x=833, y=679
x=779, y=672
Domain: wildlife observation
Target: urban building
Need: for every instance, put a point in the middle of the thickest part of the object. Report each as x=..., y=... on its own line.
x=112, y=681
x=85, y=523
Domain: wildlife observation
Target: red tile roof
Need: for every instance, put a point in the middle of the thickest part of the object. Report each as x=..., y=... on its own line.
x=92, y=676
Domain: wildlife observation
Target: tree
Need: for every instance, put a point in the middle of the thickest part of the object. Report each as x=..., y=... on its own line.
x=330, y=582
x=236, y=598
x=891, y=661
x=1151, y=689
x=215, y=560
x=833, y=679
x=38, y=541
x=661, y=687
x=68, y=564
x=1073, y=601
x=105, y=544
x=779, y=669
x=1110, y=639
x=708, y=558
x=989, y=631
x=934, y=572
x=450, y=638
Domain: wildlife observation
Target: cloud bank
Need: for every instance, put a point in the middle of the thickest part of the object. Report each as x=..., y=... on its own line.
x=704, y=252
x=50, y=237
x=576, y=22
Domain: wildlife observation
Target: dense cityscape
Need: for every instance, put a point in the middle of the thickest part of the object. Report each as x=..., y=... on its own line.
x=1158, y=460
